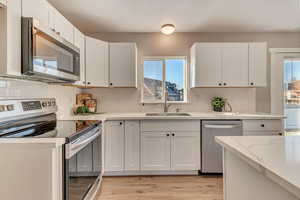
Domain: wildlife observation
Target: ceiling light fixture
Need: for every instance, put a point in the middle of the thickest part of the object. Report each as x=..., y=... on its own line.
x=167, y=29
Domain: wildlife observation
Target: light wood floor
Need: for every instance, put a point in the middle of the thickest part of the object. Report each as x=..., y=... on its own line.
x=162, y=188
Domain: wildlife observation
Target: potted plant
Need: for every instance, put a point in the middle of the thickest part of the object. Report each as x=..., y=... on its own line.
x=218, y=104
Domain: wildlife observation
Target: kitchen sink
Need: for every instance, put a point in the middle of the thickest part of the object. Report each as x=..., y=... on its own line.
x=168, y=114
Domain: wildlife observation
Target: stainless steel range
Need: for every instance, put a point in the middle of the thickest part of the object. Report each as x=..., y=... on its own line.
x=82, y=151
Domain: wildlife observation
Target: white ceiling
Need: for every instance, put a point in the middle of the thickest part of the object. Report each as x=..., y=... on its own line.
x=188, y=15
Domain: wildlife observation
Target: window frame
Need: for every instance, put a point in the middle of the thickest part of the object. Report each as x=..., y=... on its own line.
x=185, y=79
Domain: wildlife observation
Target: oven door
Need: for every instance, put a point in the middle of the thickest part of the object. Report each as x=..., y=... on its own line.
x=83, y=166
x=47, y=55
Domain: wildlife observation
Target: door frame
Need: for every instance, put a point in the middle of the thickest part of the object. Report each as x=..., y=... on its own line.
x=278, y=55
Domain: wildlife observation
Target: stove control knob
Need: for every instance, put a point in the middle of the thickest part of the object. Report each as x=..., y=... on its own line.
x=53, y=103
x=10, y=107
x=2, y=108
x=44, y=104
x=49, y=103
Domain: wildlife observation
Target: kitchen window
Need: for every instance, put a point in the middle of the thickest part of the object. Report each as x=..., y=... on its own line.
x=164, y=75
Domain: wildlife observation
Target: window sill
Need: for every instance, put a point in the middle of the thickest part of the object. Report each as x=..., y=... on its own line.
x=172, y=102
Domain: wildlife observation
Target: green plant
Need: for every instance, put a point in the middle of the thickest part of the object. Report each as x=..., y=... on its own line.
x=82, y=109
x=218, y=103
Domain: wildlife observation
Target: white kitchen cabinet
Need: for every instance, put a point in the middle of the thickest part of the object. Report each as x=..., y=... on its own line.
x=228, y=65
x=79, y=41
x=96, y=58
x=234, y=64
x=155, y=151
x=185, y=151
x=38, y=9
x=132, y=145
x=63, y=27
x=10, y=39
x=206, y=65
x=114, y=146
x=122, y=64
x=258, y=64
x=263, y=127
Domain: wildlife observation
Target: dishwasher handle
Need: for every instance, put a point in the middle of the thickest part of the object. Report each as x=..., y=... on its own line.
x=221, y=126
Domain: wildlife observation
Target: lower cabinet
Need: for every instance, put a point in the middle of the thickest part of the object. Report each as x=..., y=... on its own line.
x=122, y=146
x=262, y=127
x=185, y=151
x=114, y=146
x=132, y=145
x=170, y=151
x=155, y=151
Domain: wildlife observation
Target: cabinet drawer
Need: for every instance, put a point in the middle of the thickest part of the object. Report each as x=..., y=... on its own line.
x=170, y=125
x=262, y=125
x=262, y=133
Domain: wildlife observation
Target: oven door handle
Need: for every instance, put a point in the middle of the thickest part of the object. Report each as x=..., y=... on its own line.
x=75, y=147
x=84, y=142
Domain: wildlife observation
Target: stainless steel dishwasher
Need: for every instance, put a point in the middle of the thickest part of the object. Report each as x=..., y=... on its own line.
x=212, y=161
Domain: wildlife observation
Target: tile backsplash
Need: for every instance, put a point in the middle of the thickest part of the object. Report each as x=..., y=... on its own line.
x=16, y=89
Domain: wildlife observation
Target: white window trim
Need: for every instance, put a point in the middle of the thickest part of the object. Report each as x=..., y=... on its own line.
x=163, y=58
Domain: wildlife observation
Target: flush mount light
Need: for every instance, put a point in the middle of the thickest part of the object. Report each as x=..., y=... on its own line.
x=167, y=29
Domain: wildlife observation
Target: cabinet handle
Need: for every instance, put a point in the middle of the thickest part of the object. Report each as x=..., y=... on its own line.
x=220, y=84
x=173, y=134
x=168, y=135
x=88, y=83
x=262, y=125
x=110, y=84
x=224, y=84
x=121, y=123
x=251, y=83
x=280, y=134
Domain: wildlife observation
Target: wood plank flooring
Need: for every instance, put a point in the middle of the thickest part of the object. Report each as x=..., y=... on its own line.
x=162, y=188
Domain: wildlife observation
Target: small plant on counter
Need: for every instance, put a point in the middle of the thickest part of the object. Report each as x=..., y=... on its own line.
x=82, y=110
x=218, y=104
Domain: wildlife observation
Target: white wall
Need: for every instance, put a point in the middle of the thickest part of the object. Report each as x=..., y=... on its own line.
x=65, y=96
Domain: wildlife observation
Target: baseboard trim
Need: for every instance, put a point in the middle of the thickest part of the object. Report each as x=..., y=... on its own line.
x=150, y=173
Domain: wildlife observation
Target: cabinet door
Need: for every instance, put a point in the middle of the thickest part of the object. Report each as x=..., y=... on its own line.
x=114, y=146
x=79, y=41
x=132, y=145
x=85, y=159
x=63, y=27
x=96, y=57
x=258, y=64
x=38, y=9
x=206, y=68
x=155, y=152
x=123, y=61
x=235, y=64
x=185, y=151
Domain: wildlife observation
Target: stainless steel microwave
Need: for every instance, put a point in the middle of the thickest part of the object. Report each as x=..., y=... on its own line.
x=46, y=56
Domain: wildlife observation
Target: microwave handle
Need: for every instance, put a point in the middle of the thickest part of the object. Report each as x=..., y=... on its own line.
x=219, y=126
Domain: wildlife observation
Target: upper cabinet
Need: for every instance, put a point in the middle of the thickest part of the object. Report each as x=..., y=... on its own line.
x=234, y=64
x=122, y=63
x=257, y=64
x=228, y=64
x=61, y=25
x=206, y=65
x=96, y=59
x=38, y=9
x=49, y=16
x=79, y=41
x=10, y=39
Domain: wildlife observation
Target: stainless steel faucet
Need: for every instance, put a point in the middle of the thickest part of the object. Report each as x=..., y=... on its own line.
x=166, y=105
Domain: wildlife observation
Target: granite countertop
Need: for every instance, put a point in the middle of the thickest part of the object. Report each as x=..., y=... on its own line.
x=193, y=115
x=277, y=158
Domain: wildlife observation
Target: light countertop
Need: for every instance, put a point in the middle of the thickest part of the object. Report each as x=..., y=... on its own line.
x=142, y=116
x=278, y=158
